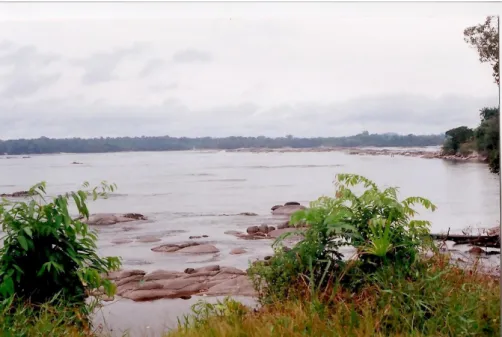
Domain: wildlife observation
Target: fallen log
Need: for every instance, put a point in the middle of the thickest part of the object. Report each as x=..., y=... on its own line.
x=489, y=241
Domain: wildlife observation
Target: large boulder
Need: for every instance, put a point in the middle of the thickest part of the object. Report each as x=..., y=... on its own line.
x=106, y=219
x=199, y=249
x=288, y=210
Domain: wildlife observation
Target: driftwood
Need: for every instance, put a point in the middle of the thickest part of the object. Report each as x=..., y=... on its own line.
x=490, y=241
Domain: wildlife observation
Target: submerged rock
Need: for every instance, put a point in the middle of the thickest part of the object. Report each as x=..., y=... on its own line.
x=19, y=194
x=237, y=251
x=248, y=214
x=106, y=219
x=187, y=248
x=292, y=203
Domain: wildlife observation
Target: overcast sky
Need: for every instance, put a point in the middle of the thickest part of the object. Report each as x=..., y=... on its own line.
x=238, y=69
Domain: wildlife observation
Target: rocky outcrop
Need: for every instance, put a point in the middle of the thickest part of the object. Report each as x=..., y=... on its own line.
x=287, y=210
x=19, y=194
x=248, y=214
x=187, y=248
x=106, y=219
x=211, y=280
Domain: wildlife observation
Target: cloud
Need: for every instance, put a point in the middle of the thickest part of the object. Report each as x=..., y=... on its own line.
x=151, y=66
x=100, y=67
x=191, y=56
x=27, y=70
x=164, y=87
x=402, y=114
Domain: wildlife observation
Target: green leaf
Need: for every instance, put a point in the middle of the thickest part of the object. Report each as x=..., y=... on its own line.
x=28, y=231
x=22, y=241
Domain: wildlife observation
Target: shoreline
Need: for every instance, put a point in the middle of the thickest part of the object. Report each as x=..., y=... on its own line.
x=367, y=151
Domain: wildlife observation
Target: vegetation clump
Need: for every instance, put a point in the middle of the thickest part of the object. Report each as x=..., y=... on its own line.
x=48, y=256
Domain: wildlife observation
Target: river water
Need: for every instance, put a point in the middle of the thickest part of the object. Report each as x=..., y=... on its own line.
x=200, y=193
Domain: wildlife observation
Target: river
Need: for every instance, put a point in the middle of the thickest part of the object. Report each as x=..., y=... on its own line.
x=199, y=193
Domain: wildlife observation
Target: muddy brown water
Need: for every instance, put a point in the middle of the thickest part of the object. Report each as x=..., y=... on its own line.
x=200, y=193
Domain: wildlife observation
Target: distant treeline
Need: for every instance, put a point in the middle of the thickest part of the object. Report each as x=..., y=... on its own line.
x=166, y=143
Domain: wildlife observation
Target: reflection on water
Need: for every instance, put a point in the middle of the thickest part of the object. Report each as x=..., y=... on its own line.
x=195, y=193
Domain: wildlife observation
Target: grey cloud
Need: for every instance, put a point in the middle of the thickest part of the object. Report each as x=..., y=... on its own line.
x=391, y=114
x=6, y=44
x=151, y=66
x=100, y=67
x=164, y=87
x=27, y=70
x=191, y=55
x=28, y=85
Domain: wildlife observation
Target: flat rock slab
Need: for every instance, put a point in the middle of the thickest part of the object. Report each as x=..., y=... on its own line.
x=210, y=280
x=187, y=248
x=107, y=219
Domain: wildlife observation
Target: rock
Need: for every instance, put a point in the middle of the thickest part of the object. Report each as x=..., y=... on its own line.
x=240, y=285
x=266, y=258
x=292, y=203
x=253, y=229
x=149, y=295
x=169, y=248
x=232, y=270
x=288, y=210
x=233, y=233
x=199, y=249
x=162, y=275
x=130, y=279
x=271, y=228
x=283, y=225
x=275, y=207
x=121, y=241
x=263, y=229
x=476, y=251
x=149, y=286
x=185, y=297
x=148, y=238
x=189, y=271
x=19, y=194
x=213, y=267
x=198, y=236
x=76, y=163
x=237, y=251
x=278, y=232
x=135, y=216
x=106, y=219
x=248, y=214
x=117, y=275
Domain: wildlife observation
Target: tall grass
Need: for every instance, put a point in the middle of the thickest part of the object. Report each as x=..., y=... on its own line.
x=442, y=301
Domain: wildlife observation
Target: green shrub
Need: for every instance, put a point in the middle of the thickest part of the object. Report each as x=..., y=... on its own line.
x=375, y=222
x=47, y=253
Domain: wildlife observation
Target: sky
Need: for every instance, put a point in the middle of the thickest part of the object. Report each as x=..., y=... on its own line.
x=223, y=69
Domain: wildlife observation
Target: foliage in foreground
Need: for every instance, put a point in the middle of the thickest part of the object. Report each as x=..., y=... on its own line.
x=442, y=301
x=373, y=221
x=48, y=254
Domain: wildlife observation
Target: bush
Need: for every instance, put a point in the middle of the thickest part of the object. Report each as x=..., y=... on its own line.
x=47, y=253
x=375, y=222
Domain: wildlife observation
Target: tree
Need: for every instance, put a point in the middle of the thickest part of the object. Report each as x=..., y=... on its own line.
x=455, y=138
x=485, y=38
